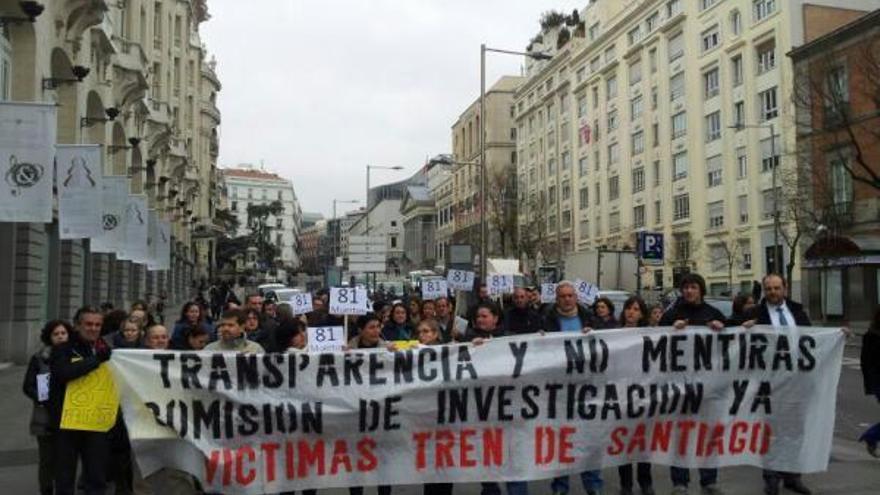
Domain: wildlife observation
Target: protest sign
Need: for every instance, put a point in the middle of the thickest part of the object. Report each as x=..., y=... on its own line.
x=325, y=339
x=434, y=288
x=301, y=304
x=548, y=293
x=499, y=284
x=586, y=292
x=519, y=408
x=91, y=403
x=348, y=301
x=460, y=280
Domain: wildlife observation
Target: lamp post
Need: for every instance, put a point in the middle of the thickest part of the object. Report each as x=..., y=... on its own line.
x=337, y=235
x=483, y=50
x=777, y=258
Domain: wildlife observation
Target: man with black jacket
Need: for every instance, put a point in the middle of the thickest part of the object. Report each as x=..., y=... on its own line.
x=566, y=314
x=81, y=355
x=691, y=310
x=780, y=312
x=522, y=318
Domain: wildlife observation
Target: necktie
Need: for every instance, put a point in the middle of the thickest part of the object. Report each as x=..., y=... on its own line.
x=782, y=320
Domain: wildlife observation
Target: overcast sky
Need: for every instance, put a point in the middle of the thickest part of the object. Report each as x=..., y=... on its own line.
x=317, y=89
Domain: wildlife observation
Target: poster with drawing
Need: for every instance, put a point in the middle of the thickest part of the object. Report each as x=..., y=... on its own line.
x=79, y=172
x=27, y=150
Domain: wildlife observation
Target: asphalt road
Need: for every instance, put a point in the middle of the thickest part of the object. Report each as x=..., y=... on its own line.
x=851, y=472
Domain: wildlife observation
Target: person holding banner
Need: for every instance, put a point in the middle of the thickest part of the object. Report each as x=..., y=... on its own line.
x=369, y=333
x=127, y=337
x=36, y=388
x=603, y=315
x=232, y=338
x=290, y=336
x=691, y=309
x=521, y=318
x=634, y=316
x=784, y=314
x=79, y=356
x=451, y=325
x=398, y=326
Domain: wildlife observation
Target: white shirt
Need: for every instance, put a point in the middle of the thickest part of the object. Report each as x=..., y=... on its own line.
x=774, y=315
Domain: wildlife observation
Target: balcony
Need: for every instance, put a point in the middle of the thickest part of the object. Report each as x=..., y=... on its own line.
x=210, y=109
x=82, y=15
x=130, y=70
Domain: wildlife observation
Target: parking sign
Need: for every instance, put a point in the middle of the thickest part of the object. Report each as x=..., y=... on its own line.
x=651, y=248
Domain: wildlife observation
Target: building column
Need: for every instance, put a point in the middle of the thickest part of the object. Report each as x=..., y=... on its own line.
x=72, y=281
x=25, y=298
x=99, y=278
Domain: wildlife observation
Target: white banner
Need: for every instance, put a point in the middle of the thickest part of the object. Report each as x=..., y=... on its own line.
x=113, y=200
x=27, y=153
x=136, y=247
x=152, y=231
x=521, y=408
x=79, y=183
x=162, y=243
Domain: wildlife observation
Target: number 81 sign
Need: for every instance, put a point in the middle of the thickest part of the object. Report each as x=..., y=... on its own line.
x=348, y=300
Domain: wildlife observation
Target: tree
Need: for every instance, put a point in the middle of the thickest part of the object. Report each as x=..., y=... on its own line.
x=502, y=211
x=532, y=238
x=727, y=252
x=258, y=216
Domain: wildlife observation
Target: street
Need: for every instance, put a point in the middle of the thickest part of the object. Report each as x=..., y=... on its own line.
x=851, y=471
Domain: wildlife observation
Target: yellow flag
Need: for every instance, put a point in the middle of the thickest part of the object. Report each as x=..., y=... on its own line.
x=402, y=345
x=91, y=402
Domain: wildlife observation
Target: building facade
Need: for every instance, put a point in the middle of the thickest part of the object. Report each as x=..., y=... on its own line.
x=384, y=220
x=500, y=151
x=246, y=186
x=149, y=97
x=657, y=115
x=838, y=115
x=310, y=244
x=418, y=212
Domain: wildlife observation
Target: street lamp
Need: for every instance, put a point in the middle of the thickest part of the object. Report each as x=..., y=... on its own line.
x=777, y=258
x=372, y=167
x=483, y=50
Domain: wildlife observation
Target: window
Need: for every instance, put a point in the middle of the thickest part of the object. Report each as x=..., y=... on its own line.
x=582, y=106
x=584, y=198
x=635, y=107
x=564, y=133
x=598, y=193
x=638, y=142
x=613, y=188
x=679, y=125
x=566, y=219
x=745, y=252
x=841, y=183
x=581, y=74
x=609, y=54
x=739, y=114
x=716, y=215
x=566, y=161
x=766, y=56
x=838, y=85
x=657, y=173
x=585, y=229
x=769, y=154
x=676, y=86
x=566, y=190
x=658, y=212
x=635, y=35
x=551, y=195
x=735, y=23
x=705, y=4
x=612, y=120
x=613, y=154
x=635, y=72
x=768, y=201
x=594, y=31
x=714, y=171
x=742, y=163
x=743, y=202
x=611, y=88
x=679, y=166
x=736, y=70
x=681, y=207
x=639, y=216
x=763, y=8
x=614, y=222
x=654, y=98
x=595, y=64
x=710, y=83
x=652, y=22
x=513, y=133
x=769, y=108
x=655, y=131
x=710, y=39
x=675, y=47
x=551, y=166
x=638, y=179
x=394, y=241
x=583, y=166
x=682, y=244
x=652, y=60
x=673, y=8
x=279, y=223
x=713, y=126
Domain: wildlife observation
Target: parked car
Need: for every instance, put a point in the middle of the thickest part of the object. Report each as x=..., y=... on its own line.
x=262, y=289
x=282, y=294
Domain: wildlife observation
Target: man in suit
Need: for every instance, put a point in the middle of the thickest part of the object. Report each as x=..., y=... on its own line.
x=776, y=310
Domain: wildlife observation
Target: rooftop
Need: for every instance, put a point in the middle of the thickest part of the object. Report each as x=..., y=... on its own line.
x=244, y=173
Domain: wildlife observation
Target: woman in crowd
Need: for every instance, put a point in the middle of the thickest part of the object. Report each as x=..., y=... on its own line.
x=428, y=333
x=742, y=306
x=635, y=315
x=603, y=315
x=252, y=329
x=36, y=387
x=398, y=326
x=291, y=335
x=654, y=315
x=415, y=308
x=190, y=315
x=127, y=337
x=428, y=310
x=195, y=338
x=487, y=318
x=113, y=321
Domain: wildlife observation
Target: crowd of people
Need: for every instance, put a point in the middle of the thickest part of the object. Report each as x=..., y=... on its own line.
x=73, y=350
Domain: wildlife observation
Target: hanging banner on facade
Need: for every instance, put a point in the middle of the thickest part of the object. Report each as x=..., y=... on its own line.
x=162, y=243
x=136, y=246
x=27, y=153
x=113, y=200
x=521, y=408
x=152, y=219
x=80, y=181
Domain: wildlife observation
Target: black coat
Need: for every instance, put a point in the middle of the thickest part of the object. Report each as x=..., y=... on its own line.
x=870, y=360
x=68, y=362
x=761, y=314
x=600, y=324
x=522, y=321
x=695, y=314
x=551, y=318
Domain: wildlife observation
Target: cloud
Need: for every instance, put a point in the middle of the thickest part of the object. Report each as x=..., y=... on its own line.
x=317, y=90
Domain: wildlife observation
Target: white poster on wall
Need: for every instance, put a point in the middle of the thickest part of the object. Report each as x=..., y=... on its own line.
x=113, y=200
x=162, y=242
x=27, y=152
x=136, y=226
x=79, y=183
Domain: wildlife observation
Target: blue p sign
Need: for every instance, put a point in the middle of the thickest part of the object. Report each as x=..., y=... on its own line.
x=651, y=247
